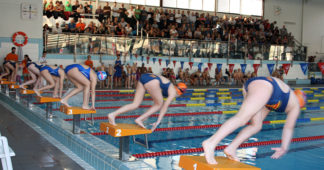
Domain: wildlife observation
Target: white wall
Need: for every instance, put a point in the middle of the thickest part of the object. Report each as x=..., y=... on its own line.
x=314, y=27
x=11, y=22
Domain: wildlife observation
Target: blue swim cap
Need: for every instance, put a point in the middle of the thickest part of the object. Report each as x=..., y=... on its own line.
x=102, y=75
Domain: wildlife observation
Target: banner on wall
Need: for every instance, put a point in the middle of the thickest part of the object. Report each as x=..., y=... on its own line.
x=243, y=67
x=174, y=63
x=199, y=66
x=154, y=60
x=219, y=67
x=182, y=63
x=167, y=62
x=304, y=67
x=147, y=60
x=321, y=66
x=270, y=68
x=256, y=67
x=286, y=68
x=210, y=65
x=231, y=68
x=190, y=64
x=160, y=61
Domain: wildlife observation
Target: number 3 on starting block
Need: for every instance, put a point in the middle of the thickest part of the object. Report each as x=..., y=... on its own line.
x=107, y=130
x=195, y=166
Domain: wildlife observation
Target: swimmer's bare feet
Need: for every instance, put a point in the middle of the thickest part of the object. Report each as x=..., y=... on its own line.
x=209, y=152
x=111, y=119
x=22, y=87
x=231, y=154
x=65, y=103
x=140, y=123
x=37, y=92
x=86, y=107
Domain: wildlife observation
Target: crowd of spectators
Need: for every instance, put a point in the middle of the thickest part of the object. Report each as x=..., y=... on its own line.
x=114, y=19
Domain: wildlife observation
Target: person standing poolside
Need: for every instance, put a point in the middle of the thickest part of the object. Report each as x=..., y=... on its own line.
x=84, y=78
x=261, y=95
x=89, y=62
x=158, y=87
x=10, y=65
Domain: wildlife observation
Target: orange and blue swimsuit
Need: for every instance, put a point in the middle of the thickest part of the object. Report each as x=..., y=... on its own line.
x=278, y=100
x=145, y=78
x=85, y=72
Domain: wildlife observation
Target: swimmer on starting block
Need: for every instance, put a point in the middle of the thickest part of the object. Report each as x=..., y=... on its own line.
x=84, y=78
x=158, y=87
x=261, y=95
x=10, y=65
x=54, y=76
x=33, y=70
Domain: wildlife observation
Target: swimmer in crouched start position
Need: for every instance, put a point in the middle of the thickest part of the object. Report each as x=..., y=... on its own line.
x=84, y=78
x=158, y=87
x=261, y=95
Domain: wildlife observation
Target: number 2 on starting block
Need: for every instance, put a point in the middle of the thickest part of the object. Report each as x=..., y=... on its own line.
x=70, y=111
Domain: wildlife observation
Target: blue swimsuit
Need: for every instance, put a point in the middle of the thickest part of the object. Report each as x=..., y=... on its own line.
x=85, y=72
x=279, y=99
x=145, y=78
x=11, y=62
x=36, y=65
x=53, y=72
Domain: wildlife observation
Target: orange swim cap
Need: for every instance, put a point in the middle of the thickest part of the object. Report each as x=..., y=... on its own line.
x=181, y=88
x=301, y=96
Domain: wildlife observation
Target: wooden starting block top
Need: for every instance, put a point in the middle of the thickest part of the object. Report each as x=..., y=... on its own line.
x=199, y=163
x=47, y=99
x=26, y=91
x=15, y=86
x=7, y=82
x=122, y=129
x=4, y=79
x=75, y=110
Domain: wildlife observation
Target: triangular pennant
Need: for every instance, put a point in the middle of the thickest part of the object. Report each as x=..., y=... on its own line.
x=154, y=60
x=190, y=64
x=210, y=65
x=304, y=67
x=160, y=61
x=270, y=68
x=167, y=62
x=231, y=68
x=243, y=67
x=147, y=60
x=199, y=66
x=219, y=67
x=182, y=63
x=286, y=68
x=256, y=67
x=174, y=62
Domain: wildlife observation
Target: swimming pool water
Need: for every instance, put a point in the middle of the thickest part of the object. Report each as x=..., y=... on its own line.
x=303, y=155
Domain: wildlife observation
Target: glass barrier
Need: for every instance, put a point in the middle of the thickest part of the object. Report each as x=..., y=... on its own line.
x=107, y=45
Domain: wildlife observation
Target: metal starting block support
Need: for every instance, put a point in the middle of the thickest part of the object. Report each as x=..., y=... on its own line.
x=123, y=131
x=49, y=104
x=76, y=112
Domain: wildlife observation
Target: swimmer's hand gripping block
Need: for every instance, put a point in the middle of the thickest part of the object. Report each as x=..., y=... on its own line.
x=122, y=129
x=47, y=99
x=25, y=91
x=7, y=82
x=75, y=110
x=199, y=163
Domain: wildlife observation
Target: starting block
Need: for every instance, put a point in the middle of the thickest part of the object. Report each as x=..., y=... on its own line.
x=16, y=88
x=76, y=112
x=124, y=131
x=4, y=83
x=49, y=104
x=199, y=163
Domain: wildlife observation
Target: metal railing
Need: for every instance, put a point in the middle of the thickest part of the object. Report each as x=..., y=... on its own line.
x=79, y=44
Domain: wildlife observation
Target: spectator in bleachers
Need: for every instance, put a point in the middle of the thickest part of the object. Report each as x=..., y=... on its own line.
x=66, y=29
x=57, y=28
x=122, y=12
x=100, y=14
x=87, y=9
x=80, y=9
x=107, y=10
x=49, y=10
x=68, y=9
x=80, y=25
x=129, y=30
x=58, y=10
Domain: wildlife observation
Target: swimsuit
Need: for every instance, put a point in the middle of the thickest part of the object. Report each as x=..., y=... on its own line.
x=278, y=100
x=36, y=65
x=11, y=62
x=53, y=72
x=85, y=72
x=145, y=78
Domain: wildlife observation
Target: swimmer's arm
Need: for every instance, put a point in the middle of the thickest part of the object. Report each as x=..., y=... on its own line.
x=287, y=133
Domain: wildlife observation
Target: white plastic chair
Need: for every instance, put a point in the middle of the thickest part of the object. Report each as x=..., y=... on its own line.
x=5, y=154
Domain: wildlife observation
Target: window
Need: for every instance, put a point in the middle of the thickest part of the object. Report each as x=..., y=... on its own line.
x=139, y=2
x=209, y=5
x=195, y=4
x=245, y=7
x=153, y=2
x=183, y=4
x=170, y=3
